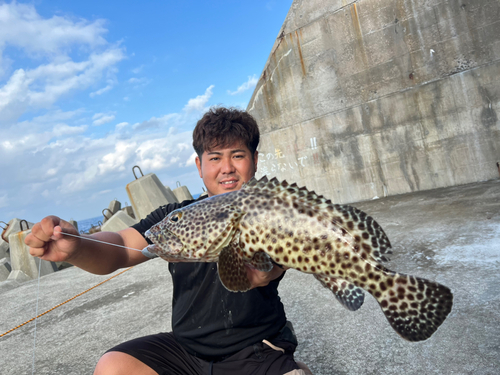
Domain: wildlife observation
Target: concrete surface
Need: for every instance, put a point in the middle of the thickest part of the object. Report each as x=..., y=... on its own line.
x=449, y=235
x=373, y=98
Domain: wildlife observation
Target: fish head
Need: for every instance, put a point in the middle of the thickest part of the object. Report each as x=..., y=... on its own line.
x=194, y=233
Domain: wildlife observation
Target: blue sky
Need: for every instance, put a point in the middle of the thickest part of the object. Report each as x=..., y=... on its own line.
x=89, y=89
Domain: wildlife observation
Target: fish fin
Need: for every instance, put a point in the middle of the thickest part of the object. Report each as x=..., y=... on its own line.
x=349, y=295
x=253, y=182
x=415, y=307
x=232, y=270
x=262, y=261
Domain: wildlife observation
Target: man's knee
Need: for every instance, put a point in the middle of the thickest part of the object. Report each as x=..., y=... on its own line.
x=117, y=363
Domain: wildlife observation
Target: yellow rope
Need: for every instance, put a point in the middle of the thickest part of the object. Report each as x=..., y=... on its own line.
x=72, y=298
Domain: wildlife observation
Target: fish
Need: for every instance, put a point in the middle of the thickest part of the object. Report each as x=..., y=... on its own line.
x=270, y=222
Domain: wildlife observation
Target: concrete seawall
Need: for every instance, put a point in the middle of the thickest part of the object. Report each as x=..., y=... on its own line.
x=382, y=97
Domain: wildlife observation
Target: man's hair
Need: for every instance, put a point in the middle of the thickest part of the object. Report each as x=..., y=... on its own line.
x=222, y=127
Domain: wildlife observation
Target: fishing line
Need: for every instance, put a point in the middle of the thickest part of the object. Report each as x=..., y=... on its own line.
x=36, y=314
x=38, y=288
x=106, y=243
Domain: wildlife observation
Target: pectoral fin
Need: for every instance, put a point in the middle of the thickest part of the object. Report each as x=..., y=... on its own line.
x=232, y=270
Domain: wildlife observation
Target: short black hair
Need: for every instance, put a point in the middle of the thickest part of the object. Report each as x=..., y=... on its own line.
x=221, y=127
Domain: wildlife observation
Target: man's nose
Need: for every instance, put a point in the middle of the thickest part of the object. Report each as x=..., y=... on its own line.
x=227, y=166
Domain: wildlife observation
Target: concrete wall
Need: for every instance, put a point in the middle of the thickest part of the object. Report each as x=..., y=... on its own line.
x=379, y=97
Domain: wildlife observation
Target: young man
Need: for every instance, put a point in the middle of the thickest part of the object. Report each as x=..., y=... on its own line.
x=214, y=331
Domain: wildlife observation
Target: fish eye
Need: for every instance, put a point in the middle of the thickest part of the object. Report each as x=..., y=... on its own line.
x=176, y=216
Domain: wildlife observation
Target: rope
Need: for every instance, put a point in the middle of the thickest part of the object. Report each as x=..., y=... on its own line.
x=72, y=298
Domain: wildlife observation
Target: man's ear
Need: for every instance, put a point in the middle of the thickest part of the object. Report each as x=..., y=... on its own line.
x=198, y=165
x=256, y=159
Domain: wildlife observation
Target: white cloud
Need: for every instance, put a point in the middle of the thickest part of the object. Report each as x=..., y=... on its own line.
x=138, y=69
x=51, y=72
x=198, y=103
x=249, y=84
x=65, y=160
x=63, y=129
x=21, y=26
x=100, y=91
x=102, y=118
x=121, y=126
x=116, y=160
x=139, y=82
x=191, y=160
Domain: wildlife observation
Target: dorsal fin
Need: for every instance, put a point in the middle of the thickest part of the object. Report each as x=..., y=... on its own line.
x=254, y=182
x=284, y=189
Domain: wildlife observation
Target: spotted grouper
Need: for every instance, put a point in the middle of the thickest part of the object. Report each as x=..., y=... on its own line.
x=271, y=222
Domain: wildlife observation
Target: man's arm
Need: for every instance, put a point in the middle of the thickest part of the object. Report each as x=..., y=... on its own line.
x=48, y=243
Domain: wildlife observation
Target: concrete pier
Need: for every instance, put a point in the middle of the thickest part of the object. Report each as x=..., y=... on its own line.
x=449, y=235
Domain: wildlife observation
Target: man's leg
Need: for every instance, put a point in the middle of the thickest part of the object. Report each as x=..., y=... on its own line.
x=116, y=363
x=150, y=355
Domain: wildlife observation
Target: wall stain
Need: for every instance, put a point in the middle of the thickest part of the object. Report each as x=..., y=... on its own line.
x=300, y=54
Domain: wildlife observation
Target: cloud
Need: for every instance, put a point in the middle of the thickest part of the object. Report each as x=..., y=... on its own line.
x=63, y=129
x=63, y=56
x=121, y=126
x=100, y=91
x=249, y=84
x=139, y=82
x=198, y=103
x=21, y=26
x=191, y=160
x=115, y=161
x=102, y=118
x=63, y=159
x=138, y=69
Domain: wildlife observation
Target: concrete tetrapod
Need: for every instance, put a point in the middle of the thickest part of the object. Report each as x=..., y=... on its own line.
x=147, y=193
x=24, y=266
x=118, y=221
x=182, y=193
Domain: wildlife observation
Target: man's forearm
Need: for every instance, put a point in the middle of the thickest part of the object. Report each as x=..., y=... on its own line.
x=100, y=258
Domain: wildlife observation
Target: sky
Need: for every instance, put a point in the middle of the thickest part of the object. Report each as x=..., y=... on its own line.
x=89, y=89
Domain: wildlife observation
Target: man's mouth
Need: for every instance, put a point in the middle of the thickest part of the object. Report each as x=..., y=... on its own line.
x=229, y=183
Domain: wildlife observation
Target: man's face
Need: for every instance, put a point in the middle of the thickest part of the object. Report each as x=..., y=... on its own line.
x=226, y=169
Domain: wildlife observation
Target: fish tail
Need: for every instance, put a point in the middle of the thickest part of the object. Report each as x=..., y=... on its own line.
x=414, y=307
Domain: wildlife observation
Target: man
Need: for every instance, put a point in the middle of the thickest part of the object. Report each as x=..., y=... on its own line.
x=214, y=331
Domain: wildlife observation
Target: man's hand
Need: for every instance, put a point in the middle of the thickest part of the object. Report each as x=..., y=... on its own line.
x=48, y=243
x=260, y=278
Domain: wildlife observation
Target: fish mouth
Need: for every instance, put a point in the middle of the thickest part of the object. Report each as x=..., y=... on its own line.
x=163, y=241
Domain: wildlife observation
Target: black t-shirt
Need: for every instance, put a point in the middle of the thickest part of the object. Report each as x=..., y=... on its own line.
x=208, y=320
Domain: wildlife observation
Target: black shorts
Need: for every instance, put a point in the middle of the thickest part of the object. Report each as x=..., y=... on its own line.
x=164, y=355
